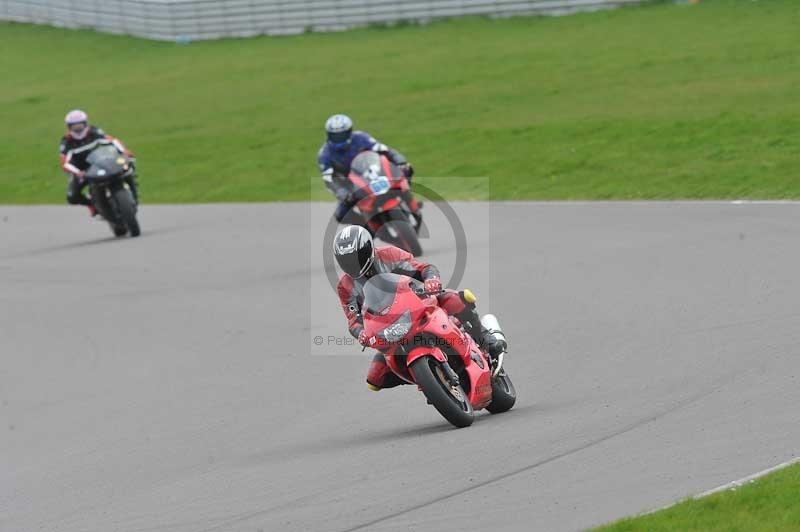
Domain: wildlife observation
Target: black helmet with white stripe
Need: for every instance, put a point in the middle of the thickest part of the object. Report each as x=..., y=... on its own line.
x=353, y=250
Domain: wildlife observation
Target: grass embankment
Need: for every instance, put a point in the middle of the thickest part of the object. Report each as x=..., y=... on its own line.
x=769, y=504
x=662, y=101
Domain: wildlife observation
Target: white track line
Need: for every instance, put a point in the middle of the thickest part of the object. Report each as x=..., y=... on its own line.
x=730, y=485
x=763, y=202
x=747, y=479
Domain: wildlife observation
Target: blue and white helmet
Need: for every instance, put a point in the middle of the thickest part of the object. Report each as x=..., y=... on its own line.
x=339, y=129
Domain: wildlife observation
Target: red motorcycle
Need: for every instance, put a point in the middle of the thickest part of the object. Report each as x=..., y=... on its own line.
x=381, y=192
x=425, y=346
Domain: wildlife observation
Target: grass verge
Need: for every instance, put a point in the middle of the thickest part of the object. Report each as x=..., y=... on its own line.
x=770, y=504
x=662, y=101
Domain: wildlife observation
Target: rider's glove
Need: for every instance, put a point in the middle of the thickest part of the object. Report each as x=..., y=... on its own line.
x=363, y=339
x=407, y=169
x=433, y=286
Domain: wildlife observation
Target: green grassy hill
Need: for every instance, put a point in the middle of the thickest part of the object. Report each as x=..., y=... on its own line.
x=661, y=101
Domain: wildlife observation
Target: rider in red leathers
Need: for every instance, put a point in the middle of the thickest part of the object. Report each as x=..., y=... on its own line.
x=359, y=260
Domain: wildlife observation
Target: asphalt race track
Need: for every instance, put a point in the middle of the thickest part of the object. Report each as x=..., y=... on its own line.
x=171, y=383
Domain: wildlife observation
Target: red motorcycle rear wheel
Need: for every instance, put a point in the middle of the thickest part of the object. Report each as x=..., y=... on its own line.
x=504, y=395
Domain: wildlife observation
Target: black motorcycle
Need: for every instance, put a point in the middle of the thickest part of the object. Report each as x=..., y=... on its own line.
x=112, y=188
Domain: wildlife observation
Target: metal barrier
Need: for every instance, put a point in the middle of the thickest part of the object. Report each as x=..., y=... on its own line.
x=214, y=19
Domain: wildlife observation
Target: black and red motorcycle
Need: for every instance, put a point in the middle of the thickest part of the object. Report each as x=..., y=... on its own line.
x=381, y=194
x=112, y=190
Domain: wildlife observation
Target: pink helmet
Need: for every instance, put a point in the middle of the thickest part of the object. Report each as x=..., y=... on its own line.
x=74, y=118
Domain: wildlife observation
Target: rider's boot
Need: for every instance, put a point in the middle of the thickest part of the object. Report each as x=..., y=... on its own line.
x=418, y=219
x=86, y=201
x=490, y=344
x=415, y=206
x=379, y=376
x=413, y=203
x=485, y=340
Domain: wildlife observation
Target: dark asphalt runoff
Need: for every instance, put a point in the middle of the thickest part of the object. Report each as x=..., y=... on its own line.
x=173, y=383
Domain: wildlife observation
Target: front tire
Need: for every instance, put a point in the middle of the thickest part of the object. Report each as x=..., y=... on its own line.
x=451, y=401
x=127, y=210
x=504, y=395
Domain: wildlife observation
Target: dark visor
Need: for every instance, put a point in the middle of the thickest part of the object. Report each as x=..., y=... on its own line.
x=352, y=263
x=340, y=137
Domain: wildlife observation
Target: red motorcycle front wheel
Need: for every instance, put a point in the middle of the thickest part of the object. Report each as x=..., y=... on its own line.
x=451, y=401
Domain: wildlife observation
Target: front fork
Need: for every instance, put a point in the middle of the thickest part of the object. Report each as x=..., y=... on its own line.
x=451, y=375
x=133, y=187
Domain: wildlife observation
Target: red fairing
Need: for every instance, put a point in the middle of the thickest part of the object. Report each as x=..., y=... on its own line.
x=480, y=393
x=387, y=166
x=372, y=203
x=367, y=204
x=388, y=205
x=432, y=332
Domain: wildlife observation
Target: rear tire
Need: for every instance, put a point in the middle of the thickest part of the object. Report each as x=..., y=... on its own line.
x=504, y=395
x=451, y=402
x=127, y=210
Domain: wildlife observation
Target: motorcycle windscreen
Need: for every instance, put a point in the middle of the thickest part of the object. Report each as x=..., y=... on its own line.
x=105, y=161
x=365, y=162
x=369, y=167
x=380, y=291
x=103, y=153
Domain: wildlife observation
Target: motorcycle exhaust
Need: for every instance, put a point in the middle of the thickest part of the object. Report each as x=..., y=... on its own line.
x=490, y=323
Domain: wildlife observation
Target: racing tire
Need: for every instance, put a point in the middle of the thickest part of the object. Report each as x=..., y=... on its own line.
x=451, y=401
x=127, y=210
x=119, y=230
x=504, y=395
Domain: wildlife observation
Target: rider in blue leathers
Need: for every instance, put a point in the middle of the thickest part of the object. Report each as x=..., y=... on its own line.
x=337, y=154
